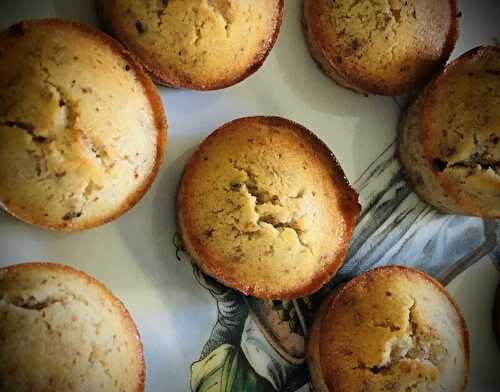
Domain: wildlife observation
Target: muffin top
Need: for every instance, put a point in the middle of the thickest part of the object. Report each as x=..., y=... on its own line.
x=265, y=208
x=460, y=129
x=196, y=44
x=60, y=330
x=82, y=128
x=393, y=329
x=384, y=47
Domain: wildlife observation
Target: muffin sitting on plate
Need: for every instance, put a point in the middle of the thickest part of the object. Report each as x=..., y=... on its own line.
x=265, y=208
x=380, y=47
x=61, y=330
x=389, y=329
x=450, y=138
x=195, y=44
x=82, y=128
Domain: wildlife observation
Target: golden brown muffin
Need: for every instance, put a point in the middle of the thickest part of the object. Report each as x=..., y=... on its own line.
x=383, y=47
x=449, y=141
x=389, y=329
x=82, y=128
x=196, y=44
x=61, y=330
x=264, y=207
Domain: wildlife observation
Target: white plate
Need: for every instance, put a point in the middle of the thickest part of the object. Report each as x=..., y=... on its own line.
x=474, y=292
x=135, y=256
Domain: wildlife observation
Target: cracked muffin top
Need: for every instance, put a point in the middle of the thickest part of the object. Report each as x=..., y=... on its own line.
x=381, y=47
x=60, y=330
x=82, y=128
x=460, y=130
x=390, y=329
x=196, y=44
x=264, y=207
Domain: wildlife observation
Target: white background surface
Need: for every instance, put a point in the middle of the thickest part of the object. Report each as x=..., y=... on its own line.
x=134, y=256
x=474, y=292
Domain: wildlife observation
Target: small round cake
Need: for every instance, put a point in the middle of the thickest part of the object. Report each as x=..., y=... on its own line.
x=380, y=47
x=196, y=44
x=61, y=330
x=389, y=329
x=264, y=207
x=82, y=128
x=449, y=141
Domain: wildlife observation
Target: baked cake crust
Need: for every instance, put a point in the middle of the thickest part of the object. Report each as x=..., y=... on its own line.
x=53, y=295
x=264, y=207
x=391, y=328
x=209, y=44
x=385, y=48
x=449, y=137
x=74, y=126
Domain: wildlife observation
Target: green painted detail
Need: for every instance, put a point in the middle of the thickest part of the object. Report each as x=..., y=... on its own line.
x=226, y=370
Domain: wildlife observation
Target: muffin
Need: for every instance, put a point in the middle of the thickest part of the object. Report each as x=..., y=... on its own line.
x=61, y=330
x=196, y=44
x=449, y=137
x=389, y=329
x=265, y=208
x=82, y=128
x=385, y=47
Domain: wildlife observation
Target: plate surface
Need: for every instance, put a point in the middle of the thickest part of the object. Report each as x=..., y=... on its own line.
x=235, y=343
x=474, y=292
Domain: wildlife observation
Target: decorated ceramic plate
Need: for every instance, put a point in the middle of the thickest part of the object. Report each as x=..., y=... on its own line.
x=199, y=335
